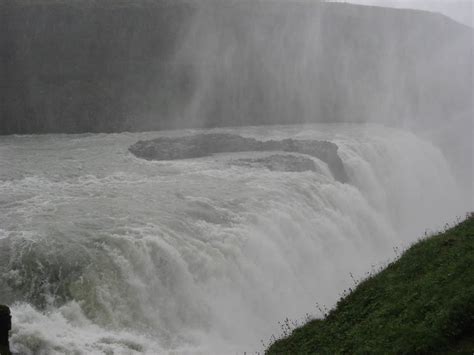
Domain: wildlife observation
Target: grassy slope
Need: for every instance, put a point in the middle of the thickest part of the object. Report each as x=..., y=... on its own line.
x=422, y=303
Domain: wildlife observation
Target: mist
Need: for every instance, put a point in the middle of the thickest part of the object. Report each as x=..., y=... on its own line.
x=261, y=62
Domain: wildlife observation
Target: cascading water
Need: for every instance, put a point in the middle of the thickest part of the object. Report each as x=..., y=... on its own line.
x=103, y=252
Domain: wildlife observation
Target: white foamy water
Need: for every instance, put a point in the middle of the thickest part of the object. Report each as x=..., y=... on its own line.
x=105, y=253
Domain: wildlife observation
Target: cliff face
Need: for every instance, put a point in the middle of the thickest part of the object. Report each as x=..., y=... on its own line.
x=101, y=66
x=78, y=66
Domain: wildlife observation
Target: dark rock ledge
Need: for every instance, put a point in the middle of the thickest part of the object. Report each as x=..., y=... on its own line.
x=201, y=145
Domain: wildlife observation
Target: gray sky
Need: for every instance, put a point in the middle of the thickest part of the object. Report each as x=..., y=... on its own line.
x=460, y=10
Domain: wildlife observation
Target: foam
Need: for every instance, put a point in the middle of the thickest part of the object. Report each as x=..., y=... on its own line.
x=201, y=256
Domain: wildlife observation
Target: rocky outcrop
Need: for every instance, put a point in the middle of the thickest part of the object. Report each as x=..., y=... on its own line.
x=201, y=145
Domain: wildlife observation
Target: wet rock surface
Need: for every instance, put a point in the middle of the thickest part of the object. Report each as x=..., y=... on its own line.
x=5, y=327
x=202, y=145
x=280, y=162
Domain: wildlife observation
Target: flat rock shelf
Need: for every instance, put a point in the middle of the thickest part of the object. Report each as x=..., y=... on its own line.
x=202, y=145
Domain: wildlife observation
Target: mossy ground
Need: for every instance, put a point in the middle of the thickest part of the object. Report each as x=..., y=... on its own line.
x=421, y=303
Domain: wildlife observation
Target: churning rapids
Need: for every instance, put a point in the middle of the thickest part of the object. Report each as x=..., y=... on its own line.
x=103, y=252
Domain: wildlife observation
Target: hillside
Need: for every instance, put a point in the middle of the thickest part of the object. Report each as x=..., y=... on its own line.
x=103, y=66
x=422, y=303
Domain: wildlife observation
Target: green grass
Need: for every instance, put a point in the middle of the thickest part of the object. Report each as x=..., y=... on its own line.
x=422, y=303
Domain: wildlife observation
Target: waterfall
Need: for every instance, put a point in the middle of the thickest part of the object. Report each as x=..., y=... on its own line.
x=103, y=252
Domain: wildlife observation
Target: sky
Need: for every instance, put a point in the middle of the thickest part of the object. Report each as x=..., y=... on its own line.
x=459, y=10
